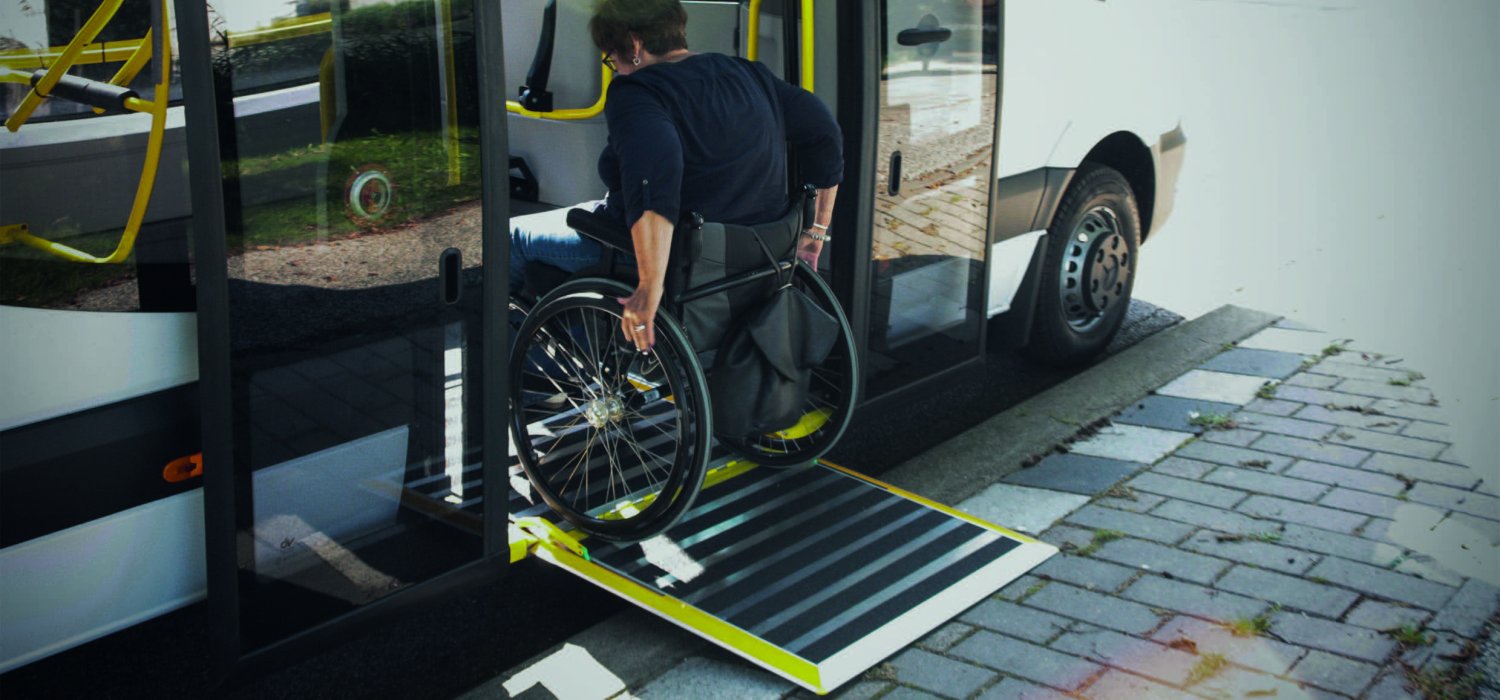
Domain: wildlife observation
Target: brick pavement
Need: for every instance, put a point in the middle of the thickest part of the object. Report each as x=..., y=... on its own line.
x=1316, y=543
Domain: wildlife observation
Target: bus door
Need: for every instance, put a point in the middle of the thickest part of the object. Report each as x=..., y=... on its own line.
x=353, y=441
x=933, y=173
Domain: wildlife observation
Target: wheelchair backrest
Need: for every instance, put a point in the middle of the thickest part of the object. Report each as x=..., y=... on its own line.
x=715, y=251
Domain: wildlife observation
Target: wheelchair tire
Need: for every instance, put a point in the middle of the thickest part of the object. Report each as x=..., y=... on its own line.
x=833, y=395
x=615, y=441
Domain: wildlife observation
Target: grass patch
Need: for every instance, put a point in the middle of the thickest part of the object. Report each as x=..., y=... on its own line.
x=1267, y=390
x=1446, y=683
x=1410, y=636
x=1252, y=626
x=1211, y=421
x=1207, y=667
x=1336, y=348
x=1406, y=380
x=1101, y=538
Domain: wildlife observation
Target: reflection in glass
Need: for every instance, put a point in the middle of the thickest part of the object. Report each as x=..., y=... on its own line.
x=351, y=166
x=933, y=176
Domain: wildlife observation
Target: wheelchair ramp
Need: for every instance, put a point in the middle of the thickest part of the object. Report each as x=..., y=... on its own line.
x=814, y=574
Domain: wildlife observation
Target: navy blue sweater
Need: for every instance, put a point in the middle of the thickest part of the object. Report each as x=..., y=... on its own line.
x=708, y=134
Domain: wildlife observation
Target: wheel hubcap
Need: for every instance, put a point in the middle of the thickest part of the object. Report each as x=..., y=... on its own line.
x=1096, y=269
x=604, y=410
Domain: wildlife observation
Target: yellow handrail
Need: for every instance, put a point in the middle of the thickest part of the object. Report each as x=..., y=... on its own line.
x=320, y=23
x=593, y=110
x=752, y=42
x=105, y=52
x=156, y=107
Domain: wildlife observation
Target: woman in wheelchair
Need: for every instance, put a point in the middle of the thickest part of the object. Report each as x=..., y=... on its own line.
x=610, y=407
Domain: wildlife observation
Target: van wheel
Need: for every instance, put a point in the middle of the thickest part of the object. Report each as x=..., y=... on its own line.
x=1089, y=270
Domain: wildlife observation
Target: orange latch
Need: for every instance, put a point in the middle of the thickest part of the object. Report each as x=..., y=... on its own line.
x=183, y=468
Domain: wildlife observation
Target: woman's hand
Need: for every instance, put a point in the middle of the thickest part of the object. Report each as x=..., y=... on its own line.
x=808, y=249
x=638, y=319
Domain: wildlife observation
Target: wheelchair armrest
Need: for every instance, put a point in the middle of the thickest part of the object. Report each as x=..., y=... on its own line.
x=601, y=228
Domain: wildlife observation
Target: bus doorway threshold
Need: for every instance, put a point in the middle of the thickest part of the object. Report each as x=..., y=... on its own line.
x=815, y=574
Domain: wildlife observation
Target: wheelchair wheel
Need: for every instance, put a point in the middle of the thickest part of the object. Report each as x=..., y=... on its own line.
x=615, y=441
x=831, y=399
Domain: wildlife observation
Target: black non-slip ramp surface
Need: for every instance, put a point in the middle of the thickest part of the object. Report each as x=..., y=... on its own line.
x=815, y=574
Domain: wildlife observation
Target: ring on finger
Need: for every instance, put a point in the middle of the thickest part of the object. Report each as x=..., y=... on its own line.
x=640, y=327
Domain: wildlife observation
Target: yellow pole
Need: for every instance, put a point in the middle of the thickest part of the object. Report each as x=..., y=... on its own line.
x=85, y=36
x=807, y=45
x=752, y=32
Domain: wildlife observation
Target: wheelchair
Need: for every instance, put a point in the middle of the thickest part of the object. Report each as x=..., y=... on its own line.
x=618, y=442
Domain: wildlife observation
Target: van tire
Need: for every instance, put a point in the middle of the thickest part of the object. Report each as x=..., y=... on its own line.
x=1089, y=270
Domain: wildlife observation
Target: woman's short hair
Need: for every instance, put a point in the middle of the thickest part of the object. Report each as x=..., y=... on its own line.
x=660, y=24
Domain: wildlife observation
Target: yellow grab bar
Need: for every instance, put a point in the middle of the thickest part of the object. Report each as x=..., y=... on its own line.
x=593, y=110
x=752, y=41
x=84, y=37
x=32, y=59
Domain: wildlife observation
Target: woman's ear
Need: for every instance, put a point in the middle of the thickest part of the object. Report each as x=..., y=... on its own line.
x=636, y=46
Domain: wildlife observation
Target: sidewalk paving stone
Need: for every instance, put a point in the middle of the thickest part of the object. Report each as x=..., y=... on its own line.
x=1288, y=591
x=1385, y=442
x=936, y=674
x=1260, y=653
x=1220, y=387
x=1086, y=572
x=902, y=692
x=1262, y=554
x=1383, y=582
x=1336, y=637
x=1016, y=689
x=1422, y=469
x=1471, y=502
x=1020, y=588
x=1427, y=569
x=1133, y=654
x=1233, y=456
x=1321, y=397
x=1290, y=341
x=1372, y=373
x=1134, y=502
x=698, y=677
x=1390, y=686
x=1074, y=473
x=1151, y=556
x=1267, y=423
x=1274, y=407
x=1239, y=437
x=1096, y=608
x=1212, y=518
x=1335, y=673
x=1362, y=502
x=1429, y=431
x=1332, y=474
x=1026, y=660
x=1351, y=419
x=1313, y=381
x=1183, y=467
x=1309, y=449
x=1259, y=481
x=1380, y=616
x=1115, y=685
x=1406, y=409
x=1239, y=683
x=1468, y=610
x=1171, y=412
x=1192, y=599
x=1297, y=512
x=1271, y=364
x=1131, y=443
x=1384, y=390
x=1021, y=508
x=1134, y=524
x=1015, y=620
x=1347, y=546
x=1187, y=490
x=943, y=638
x=1065, y=536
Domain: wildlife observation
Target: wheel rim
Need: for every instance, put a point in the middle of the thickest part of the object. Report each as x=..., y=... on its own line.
x=604, y=433
x=369, y=195
x=1095, y=271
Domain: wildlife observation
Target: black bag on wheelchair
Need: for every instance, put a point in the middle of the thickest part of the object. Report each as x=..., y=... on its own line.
x=761, y=374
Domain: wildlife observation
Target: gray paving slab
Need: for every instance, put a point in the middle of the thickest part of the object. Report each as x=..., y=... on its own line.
x=1074, y=473
x=1221, y=387
x=1291, y=341
x=1288, y=591
x=1268, y=423
x=1344, y=370
x=1360, y=479
x=1381, y=616
x=1026, y=660
x=1183, y=468
x=1385, y=390
x=1134, y=501
x=1234, y=456
x=1133, y=654
x=1467, y=611
x=1377, y=441
x=1335, y=673
x=1314, y=381
x=1428, y=431
x=936, y=674
x=1284, y=510
x=1362, y=502
x=902, y=692
x=1258, y=481
x=1115, y=685
x=1212, y=518
x=1192, y=599
x=1406, y=409
x=1422, y=469
x=1265, y=554
x=1339, y=638
x=1131, y=443
x=1299, y=448
x=1275, y=407
x=1020, y=621
x=1260, y=363
x=1096, y=608
x=943, y=638
x=1086, y=572
x=1187, y=490
x=1021, y=508
x=1257, y=652
x=1321, y=397
x=1016, y=689
x=1346, y=546
x=1135, y=524
x=1169, y=561
x=1233, y=682
x=1384, y=583
x=1171, y=412
x=699, y=677
x=1463, y=501
x=1321, y=413
x=1391, y=685
x=1066, y=537
x=1238, y=437
x=1021, y=588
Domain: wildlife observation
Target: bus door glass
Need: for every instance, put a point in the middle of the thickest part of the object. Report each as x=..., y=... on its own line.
x=936, y=134
x=349, y=143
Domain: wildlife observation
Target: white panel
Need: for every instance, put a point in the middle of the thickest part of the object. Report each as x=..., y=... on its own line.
x=58, y=362
x=1008, y=262
x=69, y=587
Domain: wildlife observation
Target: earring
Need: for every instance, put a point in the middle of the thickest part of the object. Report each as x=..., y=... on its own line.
x=635, y=61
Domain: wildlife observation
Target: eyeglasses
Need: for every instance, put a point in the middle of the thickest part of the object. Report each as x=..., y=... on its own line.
x=609, y=63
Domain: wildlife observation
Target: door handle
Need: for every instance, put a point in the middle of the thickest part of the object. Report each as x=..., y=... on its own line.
x=924, y=35
x=450, y=275
x=893, y=175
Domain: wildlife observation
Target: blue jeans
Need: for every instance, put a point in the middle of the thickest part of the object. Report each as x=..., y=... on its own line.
x=546, y=238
